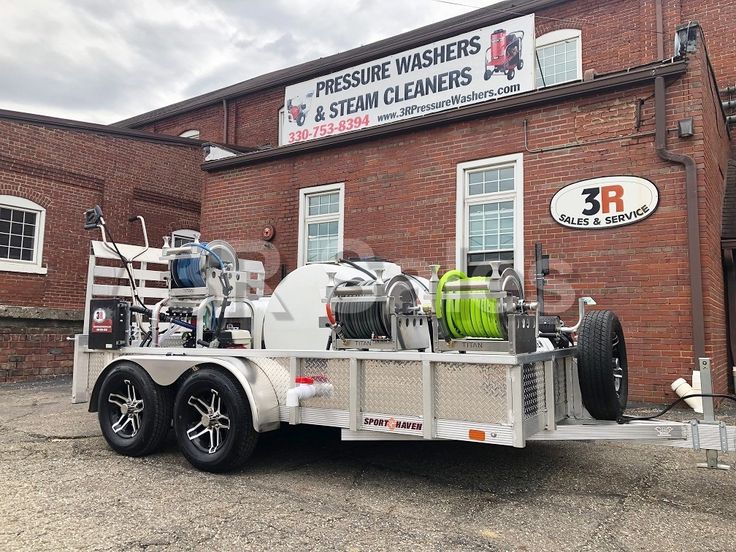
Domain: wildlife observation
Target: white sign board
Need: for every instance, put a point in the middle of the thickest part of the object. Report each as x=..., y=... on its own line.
x=605, y=202
x=486, y=64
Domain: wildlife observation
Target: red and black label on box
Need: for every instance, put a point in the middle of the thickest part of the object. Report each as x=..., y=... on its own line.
x=109, y=323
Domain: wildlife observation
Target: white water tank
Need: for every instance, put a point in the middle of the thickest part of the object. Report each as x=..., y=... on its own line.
x=296, y=315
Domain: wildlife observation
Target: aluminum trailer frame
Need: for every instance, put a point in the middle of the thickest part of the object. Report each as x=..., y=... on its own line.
x=501, y=399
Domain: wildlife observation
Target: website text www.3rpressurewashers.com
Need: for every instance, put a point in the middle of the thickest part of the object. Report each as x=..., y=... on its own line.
x=370, y=108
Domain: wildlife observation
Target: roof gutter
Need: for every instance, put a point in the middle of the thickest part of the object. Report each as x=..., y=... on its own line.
x=522, y=101
x=693, y=222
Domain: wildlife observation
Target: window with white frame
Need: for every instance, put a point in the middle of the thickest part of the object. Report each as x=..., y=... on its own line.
x=282, y=115
x=490, y=214
x=183, y=237
x=320, y=223
x=559, y=57
x=191, y=133
x=21, y=235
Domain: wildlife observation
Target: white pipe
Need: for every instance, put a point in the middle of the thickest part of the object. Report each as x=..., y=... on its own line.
x=683, y=389
x=305, y=391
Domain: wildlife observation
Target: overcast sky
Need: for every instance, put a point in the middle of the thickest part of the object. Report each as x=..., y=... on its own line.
x=105, y=60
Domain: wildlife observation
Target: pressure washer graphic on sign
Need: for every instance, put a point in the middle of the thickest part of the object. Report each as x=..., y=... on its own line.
x=297, y=109
x=504, y=54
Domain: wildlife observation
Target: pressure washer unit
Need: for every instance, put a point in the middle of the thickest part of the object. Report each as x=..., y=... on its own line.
x=504, y=54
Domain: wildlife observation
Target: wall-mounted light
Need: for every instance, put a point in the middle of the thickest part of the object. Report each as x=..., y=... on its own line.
x=685, y=128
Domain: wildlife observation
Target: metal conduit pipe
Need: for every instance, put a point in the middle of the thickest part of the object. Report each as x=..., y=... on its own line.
x=693, y=229
x=660, y=28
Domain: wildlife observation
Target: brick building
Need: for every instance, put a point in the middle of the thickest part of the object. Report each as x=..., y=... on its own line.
x=399, y=185
x=51, y=170
x=611, y=93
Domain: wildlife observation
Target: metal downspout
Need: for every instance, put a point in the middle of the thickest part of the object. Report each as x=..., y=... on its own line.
x=693, y=229
x=660, y=28
x=224, y=121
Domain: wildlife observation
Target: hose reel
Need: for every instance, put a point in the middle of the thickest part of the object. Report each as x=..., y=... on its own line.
x=372, y=314
x=370, y=317
x=482, y=313
x=477, y=307
x=190, y=271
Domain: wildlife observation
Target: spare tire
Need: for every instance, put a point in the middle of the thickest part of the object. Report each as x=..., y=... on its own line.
x=602, y=365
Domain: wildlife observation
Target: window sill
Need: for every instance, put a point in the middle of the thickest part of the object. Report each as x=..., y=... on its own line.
x=6, y=266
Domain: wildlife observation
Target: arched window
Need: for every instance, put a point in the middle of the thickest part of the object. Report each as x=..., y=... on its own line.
x=559, y=57
x=21, y=235
x=191, y=133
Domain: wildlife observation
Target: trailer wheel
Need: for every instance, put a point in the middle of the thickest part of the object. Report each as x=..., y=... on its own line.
x=602, y=365
x=213, y=422
x=134, y=412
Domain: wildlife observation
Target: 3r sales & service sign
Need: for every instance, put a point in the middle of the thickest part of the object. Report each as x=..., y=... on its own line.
x=605, y=202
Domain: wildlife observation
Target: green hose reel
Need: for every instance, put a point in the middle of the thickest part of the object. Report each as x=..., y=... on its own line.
x=473, y=314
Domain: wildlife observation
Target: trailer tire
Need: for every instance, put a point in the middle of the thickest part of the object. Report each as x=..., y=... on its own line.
x=213, y=422
x=602, y=365
x=134, y=412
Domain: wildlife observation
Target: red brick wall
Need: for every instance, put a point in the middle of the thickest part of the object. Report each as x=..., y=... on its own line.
x=400, y=200
x=208, y=120
x=717, y=21
x=67, y=172
x=33, y=349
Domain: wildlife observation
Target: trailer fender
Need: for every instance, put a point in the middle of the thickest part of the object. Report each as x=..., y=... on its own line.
x=165, y=371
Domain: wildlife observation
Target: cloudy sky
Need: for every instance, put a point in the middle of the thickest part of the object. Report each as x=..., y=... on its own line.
x=105, y=60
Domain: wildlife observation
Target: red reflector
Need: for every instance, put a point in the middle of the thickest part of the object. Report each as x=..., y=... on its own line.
x=476, y=435
x=304, y=379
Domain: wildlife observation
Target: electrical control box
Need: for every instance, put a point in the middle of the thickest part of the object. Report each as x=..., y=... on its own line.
x=109, y=323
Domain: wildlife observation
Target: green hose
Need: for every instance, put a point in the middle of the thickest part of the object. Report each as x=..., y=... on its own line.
x=469, y=316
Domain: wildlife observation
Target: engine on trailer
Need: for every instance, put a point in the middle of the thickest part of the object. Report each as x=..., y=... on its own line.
x=213, y=298
x=213, y=294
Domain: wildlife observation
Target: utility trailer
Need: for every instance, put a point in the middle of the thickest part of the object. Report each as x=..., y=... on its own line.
x=220, y=388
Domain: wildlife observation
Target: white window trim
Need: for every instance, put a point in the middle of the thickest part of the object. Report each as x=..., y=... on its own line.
x=303, y=193
x=34, y=266
x=461, y=218
x=184, y=233
x=192, y=133
x=562, y=35
x=282, y=115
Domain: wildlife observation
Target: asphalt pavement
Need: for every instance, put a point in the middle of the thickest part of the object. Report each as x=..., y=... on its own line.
x=62, y=488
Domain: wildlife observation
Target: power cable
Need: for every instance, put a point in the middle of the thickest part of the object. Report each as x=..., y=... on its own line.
x=623, y=419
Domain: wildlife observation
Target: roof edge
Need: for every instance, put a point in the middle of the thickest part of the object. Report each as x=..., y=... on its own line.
x=603, y=83
x=71, y=124
x=482, y=17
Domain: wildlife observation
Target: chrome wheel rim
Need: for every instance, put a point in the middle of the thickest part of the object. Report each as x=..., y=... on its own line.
x=618, y=370
x=208, y=423
x=126, y=422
